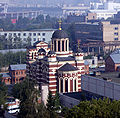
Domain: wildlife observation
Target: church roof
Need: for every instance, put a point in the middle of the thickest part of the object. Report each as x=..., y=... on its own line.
x=68, y=67
x=58, y=34
x=69, y=58
x=41, y=50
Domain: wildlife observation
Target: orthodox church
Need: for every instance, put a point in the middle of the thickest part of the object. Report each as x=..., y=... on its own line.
x=56, y=65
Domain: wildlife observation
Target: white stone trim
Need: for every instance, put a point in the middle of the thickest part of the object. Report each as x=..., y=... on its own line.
x=52, y=81
x=52, y=85
x=53, y=90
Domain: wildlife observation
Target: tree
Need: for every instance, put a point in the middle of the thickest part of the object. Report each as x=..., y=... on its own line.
x=53, y=105
x=50, y=102
x=95, y=109
x=3, y=92
x=3, y=96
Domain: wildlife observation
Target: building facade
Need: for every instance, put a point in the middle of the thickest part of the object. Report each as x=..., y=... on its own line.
x=34, y=36
x=98, y=37
x=112, y=62
x=16, y=74
x=57, y=66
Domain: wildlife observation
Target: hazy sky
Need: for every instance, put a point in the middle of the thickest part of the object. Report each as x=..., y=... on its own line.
x=50, y=1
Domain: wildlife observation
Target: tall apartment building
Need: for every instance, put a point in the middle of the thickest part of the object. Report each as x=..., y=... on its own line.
x=34, y=35
x=101, y=35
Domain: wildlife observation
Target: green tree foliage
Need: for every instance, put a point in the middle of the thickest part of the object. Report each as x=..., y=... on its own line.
x=3, y=92
x=53, y=105
x=94, y=109
x=28, y=95
x=12, y=58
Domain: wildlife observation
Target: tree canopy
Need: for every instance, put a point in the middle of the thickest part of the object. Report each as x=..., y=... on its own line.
x=94, y=109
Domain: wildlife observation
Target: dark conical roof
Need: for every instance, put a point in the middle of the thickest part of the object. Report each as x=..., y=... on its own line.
x=59, y=34
x=41, y=50
x=68, y=67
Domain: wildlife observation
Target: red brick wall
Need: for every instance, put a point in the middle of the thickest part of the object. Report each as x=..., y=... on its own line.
x=109, y=65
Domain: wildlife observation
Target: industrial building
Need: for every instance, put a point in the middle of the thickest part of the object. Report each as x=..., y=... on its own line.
x=97, y=37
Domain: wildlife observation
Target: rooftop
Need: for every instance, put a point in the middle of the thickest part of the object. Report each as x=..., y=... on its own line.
x=112, y=76
x=115, y=56
x=18, y=67
x=67, y=67
x=5, y=74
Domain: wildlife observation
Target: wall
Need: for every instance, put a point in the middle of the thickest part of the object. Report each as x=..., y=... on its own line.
x=68, y=101
x=47, y=37
x=100, y=87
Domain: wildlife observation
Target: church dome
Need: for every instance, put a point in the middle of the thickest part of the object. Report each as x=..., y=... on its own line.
x=59, y=34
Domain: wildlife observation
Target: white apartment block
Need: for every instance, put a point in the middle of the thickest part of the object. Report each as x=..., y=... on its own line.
x=34, y=35
x=104, y=13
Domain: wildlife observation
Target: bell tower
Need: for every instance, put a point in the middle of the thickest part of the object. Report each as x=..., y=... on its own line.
x=60, y=42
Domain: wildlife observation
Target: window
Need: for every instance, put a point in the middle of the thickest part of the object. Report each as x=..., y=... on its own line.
x=30, y=34
x=34, y=34
x=43, y=34
x=5, y=34
x=24, y=34
x=54, y=45
x=66, y=45
x=115, y=39
x=116, y=28
x=38, y=34
x=43, y=39
x=116, y=33
x=14, y=34
x=58, y=45
x=16, y=73
x=21, y=72
x=34, y=39
x=62, y=45
x=24, y=39
x=19, y=34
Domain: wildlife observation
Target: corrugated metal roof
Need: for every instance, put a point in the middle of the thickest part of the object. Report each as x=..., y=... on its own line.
x=67, y=67
x=18, y=67
x=12, y=50
x=115, y=56
x=5, y=74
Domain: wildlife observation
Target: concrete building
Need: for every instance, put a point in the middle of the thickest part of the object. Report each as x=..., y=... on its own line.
x=104, y=85
x=57, y=66
x=98, y=37
x=112, y=63
x=34, y=35
x=16, y=15
x=104, y=14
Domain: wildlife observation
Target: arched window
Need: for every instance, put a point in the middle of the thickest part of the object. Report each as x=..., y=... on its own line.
x=66, y=85
x=54, y=45
x=75, y=85
x=32, y=56
x=66, y=45
x=61, y=85
x=62, y=45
